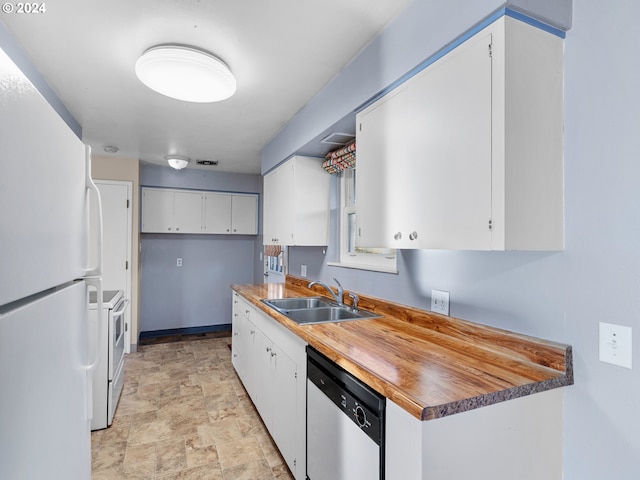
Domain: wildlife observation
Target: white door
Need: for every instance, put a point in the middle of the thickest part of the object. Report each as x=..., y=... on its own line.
x=44, y=419
x=116, y=215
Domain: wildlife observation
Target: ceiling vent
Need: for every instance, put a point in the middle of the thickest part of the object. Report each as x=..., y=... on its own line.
x=336, y=138
x=207, y=163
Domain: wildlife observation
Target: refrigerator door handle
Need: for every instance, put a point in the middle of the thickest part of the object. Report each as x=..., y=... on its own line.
x=91, y=187
x=96, y=340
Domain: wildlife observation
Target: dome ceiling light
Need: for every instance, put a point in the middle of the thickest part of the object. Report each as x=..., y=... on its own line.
x=185, y=73
x=177, y=161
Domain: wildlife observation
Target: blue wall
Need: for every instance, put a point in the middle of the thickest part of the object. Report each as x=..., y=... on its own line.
x=196, y=294
x=560, y=296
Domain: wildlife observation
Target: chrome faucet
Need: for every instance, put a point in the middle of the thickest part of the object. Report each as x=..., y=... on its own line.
x=339, y=298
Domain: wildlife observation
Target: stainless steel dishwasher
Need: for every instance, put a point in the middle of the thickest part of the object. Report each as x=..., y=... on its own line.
x=345, y=424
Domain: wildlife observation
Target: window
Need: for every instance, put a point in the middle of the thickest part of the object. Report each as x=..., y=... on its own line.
x=379, y=259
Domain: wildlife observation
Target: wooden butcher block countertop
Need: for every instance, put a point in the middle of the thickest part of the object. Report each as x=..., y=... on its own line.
x=429, y=364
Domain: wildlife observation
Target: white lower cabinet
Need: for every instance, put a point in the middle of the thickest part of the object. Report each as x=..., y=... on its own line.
x=271, y=362
x=520, y=438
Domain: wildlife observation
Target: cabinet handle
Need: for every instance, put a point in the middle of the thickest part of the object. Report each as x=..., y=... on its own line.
x=235, y=334
x=413, y=235
x=177, y=228
x=273, y=354
x=227, y=229
x=169, y=229
x=268, y=349
x=398, y=236
x=253, y=332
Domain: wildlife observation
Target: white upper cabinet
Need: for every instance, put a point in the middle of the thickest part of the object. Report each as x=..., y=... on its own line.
x=171, y=211
x=187, y=211
x=468, y=153
x=230, y=214
x=244, y=214
x=296, y=203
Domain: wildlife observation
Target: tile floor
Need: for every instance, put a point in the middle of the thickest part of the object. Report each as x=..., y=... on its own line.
x=184, y=414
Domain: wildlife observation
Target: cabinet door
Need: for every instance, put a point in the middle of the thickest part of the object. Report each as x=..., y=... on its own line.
x=381, y=213
x=278, y=207
x=187, y=210
x=283, y=379
x=244, y=214
x=448, y=168
x=157, y=211
x=237, y=330
x=217, y=213
x=310, y=201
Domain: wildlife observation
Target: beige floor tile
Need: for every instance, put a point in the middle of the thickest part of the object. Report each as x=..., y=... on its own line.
x=120, y=474
x=223, y=431
x=150, y=432
x=281, y=472
x=171, y=457
x=205, y=472
x=199, y=453
x=249, y=471
x=239, y=452
x=109, y=456
x=270, y=452
x=140, y=459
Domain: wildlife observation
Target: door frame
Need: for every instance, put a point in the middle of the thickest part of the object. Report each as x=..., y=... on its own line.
x=128, y=279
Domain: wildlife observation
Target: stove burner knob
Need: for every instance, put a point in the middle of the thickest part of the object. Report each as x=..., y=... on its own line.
x=361, y=417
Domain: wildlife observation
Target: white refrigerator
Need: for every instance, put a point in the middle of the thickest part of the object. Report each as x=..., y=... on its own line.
x=47, y=345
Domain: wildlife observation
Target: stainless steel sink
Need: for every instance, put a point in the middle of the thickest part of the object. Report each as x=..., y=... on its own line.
x=326, y=315
x=311, y=310
x=298, y=303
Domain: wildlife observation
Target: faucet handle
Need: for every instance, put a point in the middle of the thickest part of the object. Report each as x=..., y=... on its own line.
x=337, y=282
x=355, y=299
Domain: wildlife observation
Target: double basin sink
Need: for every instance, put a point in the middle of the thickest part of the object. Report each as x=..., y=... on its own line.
x=311, y=310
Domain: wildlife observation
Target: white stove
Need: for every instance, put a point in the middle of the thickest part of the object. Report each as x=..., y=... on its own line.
x=108, y=377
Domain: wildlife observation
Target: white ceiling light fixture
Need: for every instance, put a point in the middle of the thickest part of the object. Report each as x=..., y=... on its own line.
x=177, y=161
x=185, y=73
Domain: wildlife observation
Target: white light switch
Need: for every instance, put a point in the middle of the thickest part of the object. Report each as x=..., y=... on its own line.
x=615, y=344
x=179, y=262
x=303, y=270
x=440, y=302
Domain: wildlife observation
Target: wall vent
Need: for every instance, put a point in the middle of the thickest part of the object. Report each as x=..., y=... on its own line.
x=337, y=138
x=207, y=163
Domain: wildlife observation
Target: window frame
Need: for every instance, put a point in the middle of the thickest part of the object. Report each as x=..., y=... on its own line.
x=380, y=262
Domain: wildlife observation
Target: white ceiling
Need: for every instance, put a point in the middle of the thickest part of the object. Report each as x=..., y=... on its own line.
x=282, y=52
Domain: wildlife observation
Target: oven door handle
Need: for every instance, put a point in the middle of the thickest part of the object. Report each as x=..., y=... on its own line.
x=121, y=311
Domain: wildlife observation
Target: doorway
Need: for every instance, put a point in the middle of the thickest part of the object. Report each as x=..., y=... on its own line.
x=116, y=199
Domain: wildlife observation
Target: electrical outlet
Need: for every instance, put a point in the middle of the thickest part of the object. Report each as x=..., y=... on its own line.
x=303, y=270
x=615, y=344
x=440, y=302
x=179, y=262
